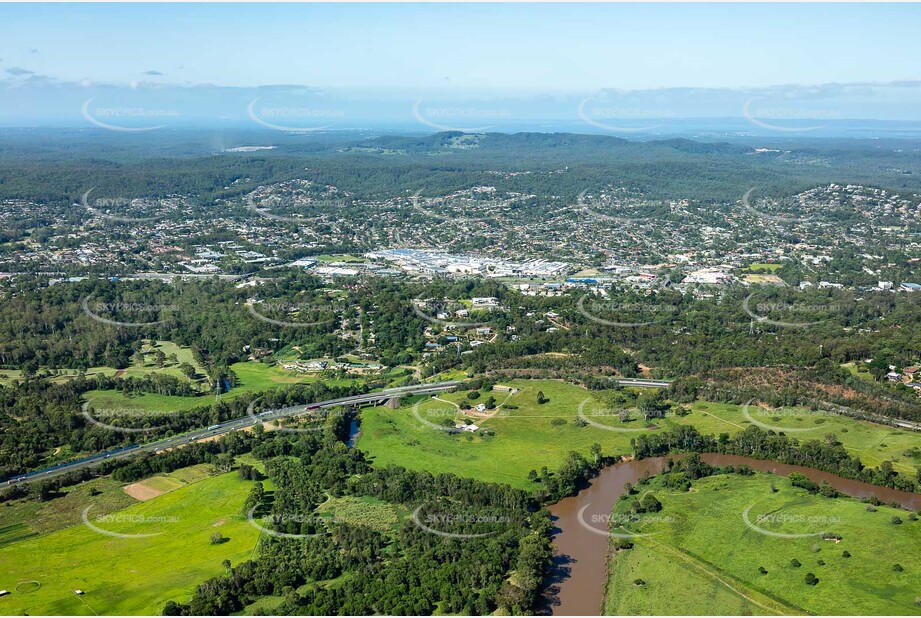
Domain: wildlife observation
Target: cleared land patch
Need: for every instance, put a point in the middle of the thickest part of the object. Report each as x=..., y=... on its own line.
x=132, y=575
x=706, y=534
x=531, y=435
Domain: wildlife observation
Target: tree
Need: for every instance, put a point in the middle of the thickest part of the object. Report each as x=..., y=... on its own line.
x=650, y=504
x=652, y=405
x=595, y=450
x=188, y=370
x=811, y=579
x=217, y=538
x=540, y=398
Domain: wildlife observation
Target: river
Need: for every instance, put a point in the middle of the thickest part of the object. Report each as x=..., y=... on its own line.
x=580, y=559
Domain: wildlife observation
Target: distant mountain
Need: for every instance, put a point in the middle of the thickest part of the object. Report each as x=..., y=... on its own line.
x=448, y=141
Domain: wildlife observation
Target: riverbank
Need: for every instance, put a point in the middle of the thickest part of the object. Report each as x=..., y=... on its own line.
x=580, y=571
x=737, y=545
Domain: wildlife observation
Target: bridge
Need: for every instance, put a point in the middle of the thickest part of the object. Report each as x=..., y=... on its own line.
x=377, y=397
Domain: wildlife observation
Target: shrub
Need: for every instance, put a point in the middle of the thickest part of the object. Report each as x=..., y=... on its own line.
x=762, y=570
x=845, y=554
x=796, y=563
x=897, y=567
x=650, y=504
x=811, y=579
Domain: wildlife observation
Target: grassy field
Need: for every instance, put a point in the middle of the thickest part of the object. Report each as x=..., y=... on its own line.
x=535, y=435
x=701, y=546
x=135, y=575
x=342, y=257
x=252, y=378
x=364, y=511
x=143, y=363
x=523, y=440
x=765, y=266
x=31, y=517
x=872, y=443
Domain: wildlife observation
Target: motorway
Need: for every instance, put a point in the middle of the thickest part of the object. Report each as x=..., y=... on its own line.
x=644, y=382
x=232, y=425
x=249, y=420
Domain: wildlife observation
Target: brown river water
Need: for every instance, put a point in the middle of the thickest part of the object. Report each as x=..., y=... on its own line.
x=580, y=560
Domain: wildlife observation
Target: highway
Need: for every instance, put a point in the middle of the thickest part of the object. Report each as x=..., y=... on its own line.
x=227, y=426
x=644, y=382
x=266, y=416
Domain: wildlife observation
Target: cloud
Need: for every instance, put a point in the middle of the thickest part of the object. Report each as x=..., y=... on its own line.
x=18, y=71
x=33, y=51
x=152, y=72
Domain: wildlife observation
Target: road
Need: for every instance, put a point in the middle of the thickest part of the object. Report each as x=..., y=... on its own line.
x=644, y=382
x=232, y=425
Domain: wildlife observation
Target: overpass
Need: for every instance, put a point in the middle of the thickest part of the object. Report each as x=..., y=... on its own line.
x=377, y=397
x=642, y=382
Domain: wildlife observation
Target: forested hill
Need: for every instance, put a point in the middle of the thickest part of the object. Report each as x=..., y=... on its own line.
x=58, y=166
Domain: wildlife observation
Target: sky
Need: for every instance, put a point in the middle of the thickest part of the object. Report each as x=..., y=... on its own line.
x=512, y=47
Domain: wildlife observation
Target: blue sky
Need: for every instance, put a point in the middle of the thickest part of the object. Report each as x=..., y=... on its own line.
x=513, y=48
